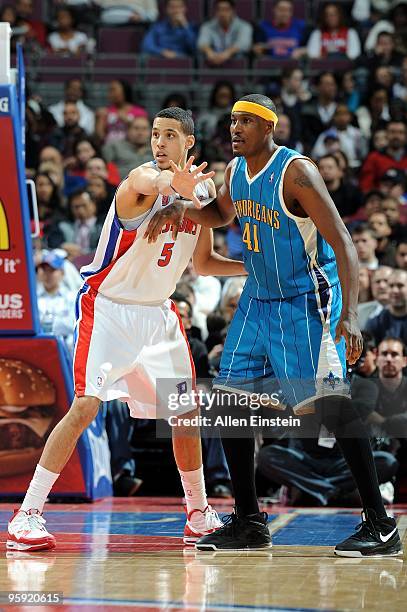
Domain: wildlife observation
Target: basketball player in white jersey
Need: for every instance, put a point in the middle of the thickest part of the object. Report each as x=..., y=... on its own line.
x=128, y=333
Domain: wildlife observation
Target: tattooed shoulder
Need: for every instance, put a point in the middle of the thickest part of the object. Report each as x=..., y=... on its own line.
x=302, y=180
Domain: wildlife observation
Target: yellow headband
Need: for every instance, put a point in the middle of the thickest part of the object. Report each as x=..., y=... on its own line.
x=255, y=109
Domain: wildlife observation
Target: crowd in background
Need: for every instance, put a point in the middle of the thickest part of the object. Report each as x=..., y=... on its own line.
x=353, y=123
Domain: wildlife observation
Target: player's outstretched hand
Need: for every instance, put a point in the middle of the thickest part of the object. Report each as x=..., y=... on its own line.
x=185, y=180
x=349, y=329
x=174, y=214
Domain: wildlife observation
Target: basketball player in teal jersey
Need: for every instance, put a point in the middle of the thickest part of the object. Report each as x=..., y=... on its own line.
x=296, y=320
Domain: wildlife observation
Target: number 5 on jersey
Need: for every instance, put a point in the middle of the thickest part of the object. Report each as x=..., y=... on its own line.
x=166, y=254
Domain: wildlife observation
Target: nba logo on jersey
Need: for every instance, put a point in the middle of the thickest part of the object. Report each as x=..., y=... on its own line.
x=182, y=387
x=271, y=177
x=99, y=381
x=165, y=200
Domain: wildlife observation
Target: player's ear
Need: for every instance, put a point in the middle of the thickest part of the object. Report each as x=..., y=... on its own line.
x=270, y=128
x=189, y=142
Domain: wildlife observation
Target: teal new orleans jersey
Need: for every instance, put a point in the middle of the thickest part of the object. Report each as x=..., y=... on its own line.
x=284, y=255
x=284, y=326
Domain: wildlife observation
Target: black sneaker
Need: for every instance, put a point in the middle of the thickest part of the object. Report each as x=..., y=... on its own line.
x=374, y=538
x=238, y=533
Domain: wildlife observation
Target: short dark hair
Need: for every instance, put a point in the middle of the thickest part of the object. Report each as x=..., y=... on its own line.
x=260, y=99
x=77, y=193
x=231, y=2
x=394, y=339
x=402, y=241
x=180, y=297
x=329, y=156
x=179, y=114
x=361, y=229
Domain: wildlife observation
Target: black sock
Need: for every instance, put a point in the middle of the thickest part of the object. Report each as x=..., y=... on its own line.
x=342, y=418
x=240, y=457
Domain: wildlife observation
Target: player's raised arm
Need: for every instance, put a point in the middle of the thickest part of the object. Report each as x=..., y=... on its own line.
x=304, y=185
x=218, y=213
x=209, y=263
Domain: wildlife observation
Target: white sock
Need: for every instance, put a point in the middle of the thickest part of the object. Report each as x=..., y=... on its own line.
x=193, y=484
x=38, y=491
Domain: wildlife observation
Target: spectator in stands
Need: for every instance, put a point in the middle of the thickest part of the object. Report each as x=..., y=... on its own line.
x=225, y=36
x=316, y=469
x=350, y=92
x=49, y=203
x=81, y=235
x=231, y=292
x=379, y=287
x=395, y=25
x=220, y=145
x=67, y=40
x=101, y=192
x=172, y=37
x=283, y=134
x=393, y=184
x=74, y=92
x=394, y=156
x=317, y=114
x=175, y=99
x=207, y=291
x=132, y=152
x=365, y=244
x=283, y=36
x=401, y=255
x=218, y=167
x=8, y=14
x=378, y=140
x=221, y=100
x=54, y=299
x=384, y=53
x=351, y=141
x=98, y=167
x=112, y=121
x=365, y=294
x=132, y=11
x=375, y=114
x=63, y=138
x=385, y=250
x=84, y=150
x=333, y=38
x=391, y=208
x=51, y=161
x=400, y=87
x=383, y=76
x=392, y=320
x=346, y=196
x=35, y=31
x=365, y=367
x=390, y=413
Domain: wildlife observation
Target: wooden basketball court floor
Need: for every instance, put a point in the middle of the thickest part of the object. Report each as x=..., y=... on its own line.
x=128, y=553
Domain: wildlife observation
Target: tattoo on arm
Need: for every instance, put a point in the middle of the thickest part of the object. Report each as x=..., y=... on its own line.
x=302, y=180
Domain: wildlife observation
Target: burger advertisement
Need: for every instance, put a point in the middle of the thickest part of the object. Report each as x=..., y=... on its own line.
x=34, y=396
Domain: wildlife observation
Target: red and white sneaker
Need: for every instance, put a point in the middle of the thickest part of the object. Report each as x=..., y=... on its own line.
x=26, y=531
x=200, y=523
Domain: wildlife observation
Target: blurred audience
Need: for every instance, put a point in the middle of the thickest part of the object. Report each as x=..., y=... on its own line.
x=333, y=38
x=134, y=151
x=225, y=36
x=112, y=121
x=172, y=37
x=283, y=36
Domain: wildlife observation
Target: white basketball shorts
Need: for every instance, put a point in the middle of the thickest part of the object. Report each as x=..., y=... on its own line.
x=135, y=353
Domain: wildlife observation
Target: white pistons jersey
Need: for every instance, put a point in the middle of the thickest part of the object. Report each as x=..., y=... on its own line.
x=129, y=270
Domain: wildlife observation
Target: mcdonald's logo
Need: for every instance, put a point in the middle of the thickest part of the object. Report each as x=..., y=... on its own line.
x=4, y=234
